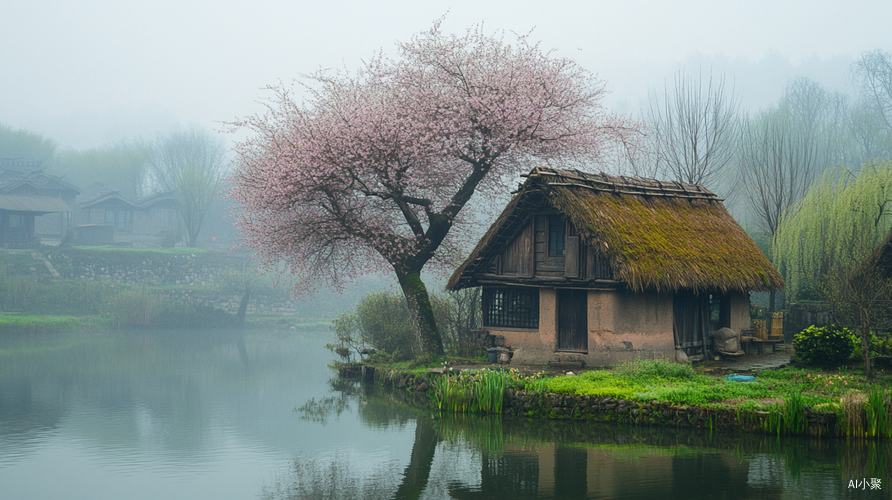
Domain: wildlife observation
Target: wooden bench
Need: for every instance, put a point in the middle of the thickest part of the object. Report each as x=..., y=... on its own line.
x=760, y=343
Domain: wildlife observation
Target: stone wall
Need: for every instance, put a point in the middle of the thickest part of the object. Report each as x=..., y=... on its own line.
x=801, y=316
x=577, y=407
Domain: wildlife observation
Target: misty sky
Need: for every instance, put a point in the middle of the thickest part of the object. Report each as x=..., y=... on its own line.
x=86, y=72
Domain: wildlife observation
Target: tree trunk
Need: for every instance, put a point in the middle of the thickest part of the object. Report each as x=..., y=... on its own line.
x=422, y=312
x=772, y=295
x=419, y=469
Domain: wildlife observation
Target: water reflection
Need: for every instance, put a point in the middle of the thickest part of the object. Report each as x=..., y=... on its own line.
x=463, y=457
x=211, y=414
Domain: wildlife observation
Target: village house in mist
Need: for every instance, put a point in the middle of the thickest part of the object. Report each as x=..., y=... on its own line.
x=602, y=269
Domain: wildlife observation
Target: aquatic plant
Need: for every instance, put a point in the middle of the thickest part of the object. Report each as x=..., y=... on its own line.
x=877, y=412
x=470, y=392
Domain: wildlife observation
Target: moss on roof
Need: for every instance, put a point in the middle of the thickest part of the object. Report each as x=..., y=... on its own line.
x=657, y=235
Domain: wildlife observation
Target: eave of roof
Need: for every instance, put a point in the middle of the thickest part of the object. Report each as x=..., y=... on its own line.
x=37, y=204
x=664, y=236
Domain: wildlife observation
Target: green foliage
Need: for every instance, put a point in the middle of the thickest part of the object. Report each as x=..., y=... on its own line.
x=877, y=408
x=383, y=320
x=458, y=315
x=348, y=337
x=31, y=324
x=25, y=294
x=470, y=392
x=839, y=221
x=120, y=167
x=795, y=421
x=827, y=346
x=879, y=345
x=137, y=307
x=24, y=144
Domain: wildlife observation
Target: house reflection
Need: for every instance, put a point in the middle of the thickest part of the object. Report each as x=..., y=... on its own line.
x=571, y=472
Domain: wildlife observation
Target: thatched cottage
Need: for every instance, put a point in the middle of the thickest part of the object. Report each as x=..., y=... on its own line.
x=602, y=269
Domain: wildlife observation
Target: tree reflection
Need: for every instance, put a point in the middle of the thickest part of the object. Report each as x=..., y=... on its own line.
x=500, y=458
x=335, y=479
x=310, y=478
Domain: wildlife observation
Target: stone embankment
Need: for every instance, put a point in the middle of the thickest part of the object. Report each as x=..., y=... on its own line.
x=576, y=407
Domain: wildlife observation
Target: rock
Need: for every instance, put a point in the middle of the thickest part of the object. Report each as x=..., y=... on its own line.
x=422, y=387
x=681, y=356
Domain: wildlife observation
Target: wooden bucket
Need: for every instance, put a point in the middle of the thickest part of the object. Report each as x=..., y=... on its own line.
x=759, y=329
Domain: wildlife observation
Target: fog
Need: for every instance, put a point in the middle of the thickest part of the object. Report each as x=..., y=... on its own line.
x=92, y=72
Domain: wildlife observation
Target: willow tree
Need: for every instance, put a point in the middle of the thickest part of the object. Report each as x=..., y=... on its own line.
x=835, y=226
x=372, y=170
x=830, y=244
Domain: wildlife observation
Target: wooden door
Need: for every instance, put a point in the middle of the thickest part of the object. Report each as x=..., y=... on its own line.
x=572, y=321
x=690, y=313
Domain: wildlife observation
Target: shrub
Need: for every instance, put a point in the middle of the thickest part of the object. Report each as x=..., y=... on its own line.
x=827, y=346
x=880, y=345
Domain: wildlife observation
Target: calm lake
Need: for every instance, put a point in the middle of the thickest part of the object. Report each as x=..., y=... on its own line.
x=222, y=415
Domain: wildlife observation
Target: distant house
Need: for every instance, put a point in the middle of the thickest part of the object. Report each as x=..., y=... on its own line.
x=109, y=208
x=150, y=220
x=26, y=193
x=157, y=216
x=602, y=269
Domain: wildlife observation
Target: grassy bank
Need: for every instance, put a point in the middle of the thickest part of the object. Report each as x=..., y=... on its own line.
x=782, y=401
x=40, y=324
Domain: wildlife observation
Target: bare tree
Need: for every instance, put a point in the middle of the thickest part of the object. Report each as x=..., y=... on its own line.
x=868, y=135
x=693, y=129
x=875, y=70
x=192, y=164
x=783, y=150
x=772, y=172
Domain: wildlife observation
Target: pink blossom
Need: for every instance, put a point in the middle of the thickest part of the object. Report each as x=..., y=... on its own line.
x=371, y=171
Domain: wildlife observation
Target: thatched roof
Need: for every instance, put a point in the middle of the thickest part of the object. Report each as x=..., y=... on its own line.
x=663, y=236
x=878, y=264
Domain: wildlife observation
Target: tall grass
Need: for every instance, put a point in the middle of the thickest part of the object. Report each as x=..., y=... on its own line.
x=852, y=415
x=795, y=421
x=137, y=307
x=470, y=392
x=877, y=412
x=25, y=294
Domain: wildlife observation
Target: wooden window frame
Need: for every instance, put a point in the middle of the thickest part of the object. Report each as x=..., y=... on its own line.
x=557, y=236
x=511, y=307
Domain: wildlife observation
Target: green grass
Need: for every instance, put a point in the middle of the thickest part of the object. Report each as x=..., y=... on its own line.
x=165, y=251
x=28, y=324
x=660, y=380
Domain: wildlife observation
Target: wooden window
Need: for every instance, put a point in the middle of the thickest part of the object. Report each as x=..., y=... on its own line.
x=556, y=236
x=511, y=307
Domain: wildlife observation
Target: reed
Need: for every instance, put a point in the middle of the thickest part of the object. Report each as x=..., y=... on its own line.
x=877, y=413
x=852, y=424
x=467, y=392
x=794, y=414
